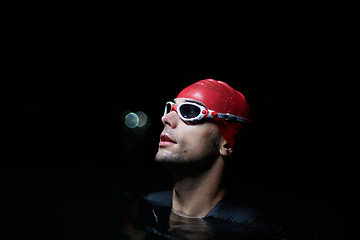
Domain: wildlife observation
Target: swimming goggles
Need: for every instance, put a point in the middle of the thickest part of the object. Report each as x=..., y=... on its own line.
x=193, y=112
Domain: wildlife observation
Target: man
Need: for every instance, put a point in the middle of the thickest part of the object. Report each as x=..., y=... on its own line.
x=201, y=126
x=195, y=149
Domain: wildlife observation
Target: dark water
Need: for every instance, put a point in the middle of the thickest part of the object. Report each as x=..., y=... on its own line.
x=89, y=203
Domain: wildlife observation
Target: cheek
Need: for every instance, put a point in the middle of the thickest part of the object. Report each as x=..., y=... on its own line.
x=200, y=138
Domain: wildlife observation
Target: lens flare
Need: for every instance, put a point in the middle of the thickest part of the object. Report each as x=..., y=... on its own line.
x=132, y=120
x=143, y=118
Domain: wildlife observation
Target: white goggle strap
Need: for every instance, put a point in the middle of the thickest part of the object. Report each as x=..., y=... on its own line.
x=228, y=116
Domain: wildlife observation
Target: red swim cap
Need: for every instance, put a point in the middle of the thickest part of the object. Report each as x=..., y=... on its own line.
x=219, y=96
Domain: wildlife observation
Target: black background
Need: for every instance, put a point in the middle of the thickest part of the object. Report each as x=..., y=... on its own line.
x=72, y=156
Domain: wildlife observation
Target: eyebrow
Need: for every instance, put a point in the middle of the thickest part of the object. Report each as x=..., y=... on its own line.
x=194, y=101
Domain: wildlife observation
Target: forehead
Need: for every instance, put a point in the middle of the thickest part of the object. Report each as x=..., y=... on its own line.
x=182, y=100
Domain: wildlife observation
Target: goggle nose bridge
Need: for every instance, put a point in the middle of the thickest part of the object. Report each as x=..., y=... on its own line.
x=174, y=107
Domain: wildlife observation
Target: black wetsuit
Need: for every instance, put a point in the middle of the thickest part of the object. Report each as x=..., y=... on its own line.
x=151, y=217
x=228, y=216
x=227, y=209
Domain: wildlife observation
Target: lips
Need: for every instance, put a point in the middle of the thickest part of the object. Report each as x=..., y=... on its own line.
x=166, y=140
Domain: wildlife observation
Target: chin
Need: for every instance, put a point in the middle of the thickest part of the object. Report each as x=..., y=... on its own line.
x=165, y=156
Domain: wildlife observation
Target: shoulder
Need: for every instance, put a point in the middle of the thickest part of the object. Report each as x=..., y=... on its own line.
x=230, y=209
x=162, y=198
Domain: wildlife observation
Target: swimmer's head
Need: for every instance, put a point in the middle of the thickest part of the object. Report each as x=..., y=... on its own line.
x=222, y=98
x=203, y=121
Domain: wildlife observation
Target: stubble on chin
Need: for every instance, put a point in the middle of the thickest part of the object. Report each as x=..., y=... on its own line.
x=164, y=156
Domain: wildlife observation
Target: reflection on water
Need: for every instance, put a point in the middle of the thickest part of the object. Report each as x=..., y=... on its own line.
x=188, y=228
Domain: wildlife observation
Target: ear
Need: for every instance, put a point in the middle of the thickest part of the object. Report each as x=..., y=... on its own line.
x=225, y=149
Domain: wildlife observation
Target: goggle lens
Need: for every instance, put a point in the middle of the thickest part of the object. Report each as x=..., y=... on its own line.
x=168, y=108
x=189, y=111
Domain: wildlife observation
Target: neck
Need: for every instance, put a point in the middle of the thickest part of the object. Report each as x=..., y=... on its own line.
x=196, y=194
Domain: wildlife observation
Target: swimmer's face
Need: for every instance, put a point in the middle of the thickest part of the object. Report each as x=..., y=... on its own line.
x=186, y=142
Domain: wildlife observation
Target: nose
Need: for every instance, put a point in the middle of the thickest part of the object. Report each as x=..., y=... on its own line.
x=171, y=119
